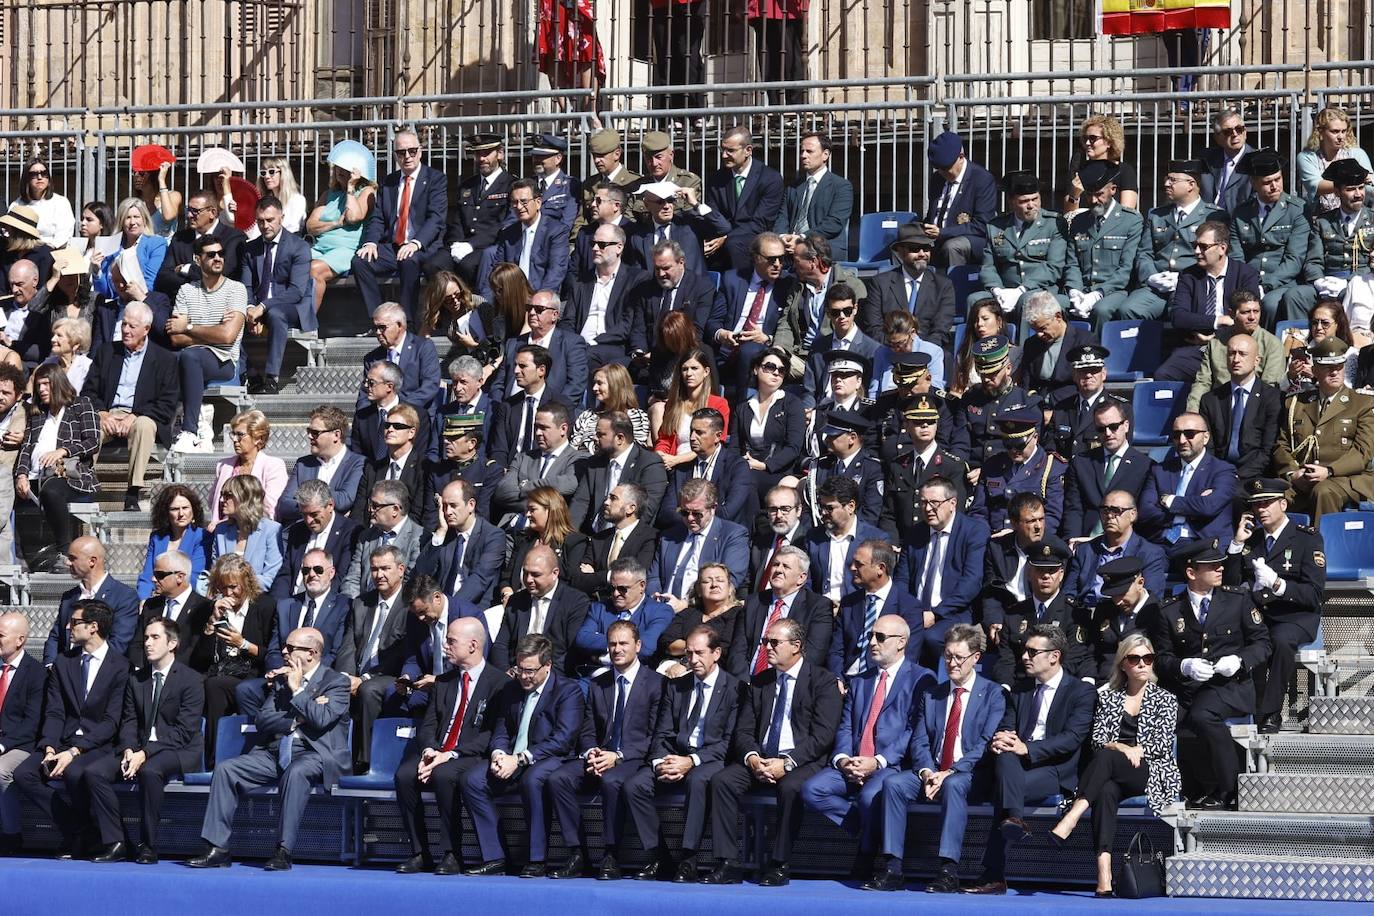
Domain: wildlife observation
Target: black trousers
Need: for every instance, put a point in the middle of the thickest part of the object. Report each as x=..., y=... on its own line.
x=444, y=782
x=778, y=46
x=1273, y=680
x=220, y=701
x=730, y=784
x=1108, y=779
x=678, y=30
x=571, y=778
x=71, y=815
x=100, y=779
x=54, y=497
x=1210, y=760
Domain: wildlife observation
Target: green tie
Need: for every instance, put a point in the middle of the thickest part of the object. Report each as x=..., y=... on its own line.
x=1111, y=468
x=739, y=186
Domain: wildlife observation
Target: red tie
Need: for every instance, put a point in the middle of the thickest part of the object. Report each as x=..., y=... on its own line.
x=761, y=660
x=5, y=672
x=451, y=739
x=756, y=310
x=403, y=218
x=867, y=747
x=952, y=729
x=763, y=573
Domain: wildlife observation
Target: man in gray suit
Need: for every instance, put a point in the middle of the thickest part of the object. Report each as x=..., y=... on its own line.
x=391, y=527
x=554, y=464
x=302, y=742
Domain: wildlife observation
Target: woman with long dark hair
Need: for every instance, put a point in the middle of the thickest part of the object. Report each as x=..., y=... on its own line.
x=178, y=523
x=56, y=464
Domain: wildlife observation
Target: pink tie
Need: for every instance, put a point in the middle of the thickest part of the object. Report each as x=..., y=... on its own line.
x=867, y=747
x=761, y=660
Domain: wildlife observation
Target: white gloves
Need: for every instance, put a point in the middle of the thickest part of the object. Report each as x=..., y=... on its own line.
x=1264, y=576
x=1081, y=304
x=1227, y=665
x=1007, y=298
x=1199, y=669
x=460, y=250
x=1331, y=286
x=1164, y=282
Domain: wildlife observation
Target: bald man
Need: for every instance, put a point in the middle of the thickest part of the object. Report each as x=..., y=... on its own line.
x=27, y=330
x=546, y=605
x=21, y=705
x=86, y=562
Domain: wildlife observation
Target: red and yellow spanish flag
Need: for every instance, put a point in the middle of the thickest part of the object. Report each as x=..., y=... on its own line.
x=1139, y=17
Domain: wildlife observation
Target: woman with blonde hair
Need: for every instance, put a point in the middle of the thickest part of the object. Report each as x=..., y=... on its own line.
x=1101, y=137
x=1332, y=138
x=235, y=637
x=275, y=179
x=547, y=521
x=714, y=604
x=140, y=252
x=613, y=390
x=249, y=432
x=246, y=529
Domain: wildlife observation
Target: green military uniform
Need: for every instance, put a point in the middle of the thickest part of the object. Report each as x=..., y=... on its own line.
x=1167, y=247
x=1029, y=257
x=1275, y=244
x=1103, y=255
x=1340, y=246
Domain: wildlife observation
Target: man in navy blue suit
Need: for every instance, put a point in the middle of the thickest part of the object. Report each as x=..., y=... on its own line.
x=672, y=288
x=466, y=552
x=330, y=461
x=321, y=527
x=832, y=544
x=819, y=200
x=723, y=466
x=426, y=632
x=628, y=601
x=960, y=204
x=874, y=732
x=276, y=273
x=1048, y=720
x=534, y=241
x=86, y=563
x=951, y=727
x=381, y=382
x=613, y=746
x=747, y=193
x=21, y=713
x=1223, y=184
x=538, y=721
x=785, y=598
x=667, y=223
x=876, y=595
x=406, y=226
x=1189, y=495
x=413, y=354
x=1200, y=304
x=701, y=538
x=567, y=369
x=1112, y=463
x=943, y=567
x=1118, y=539
x=748, y=310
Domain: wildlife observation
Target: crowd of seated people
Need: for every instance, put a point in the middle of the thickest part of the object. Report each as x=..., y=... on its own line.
x=643, y=531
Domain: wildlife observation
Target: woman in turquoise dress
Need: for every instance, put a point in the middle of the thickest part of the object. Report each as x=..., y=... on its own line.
x=336, y=224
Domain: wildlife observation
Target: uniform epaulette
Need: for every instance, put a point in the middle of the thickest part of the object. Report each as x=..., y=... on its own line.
x=938, y=392
x=1236, y=589
x=1307, y=528
x=1173, y=599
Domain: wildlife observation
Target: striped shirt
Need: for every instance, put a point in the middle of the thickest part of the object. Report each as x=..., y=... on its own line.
x=202, y=307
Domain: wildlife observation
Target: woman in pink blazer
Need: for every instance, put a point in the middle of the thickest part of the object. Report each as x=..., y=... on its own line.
x=250, y=431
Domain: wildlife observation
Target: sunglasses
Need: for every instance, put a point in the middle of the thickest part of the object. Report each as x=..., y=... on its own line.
x=771, y=258
x=537, y=309
x=193, y=212
x=316, y=433
x=1186, y=433
x=693, y=513
x=1232, y=131
x=621, y=589
x=290, y=649
x=316, y=570
x=37, y=174
x=1111, y=427
x=1147, y=659
x=404, y=152
x=1090, y=139
x=600, y=244
x=884, y=637
x=1115, y=511
x=774, y=643
x=217, y=255
x=375, y=506
x=1032, y=653
x=842, y=313
x=394, y=425
x=772, y=368
x=267, y=173
x=160, y=574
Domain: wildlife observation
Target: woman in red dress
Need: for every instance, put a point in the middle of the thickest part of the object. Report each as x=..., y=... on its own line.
x=567, y=45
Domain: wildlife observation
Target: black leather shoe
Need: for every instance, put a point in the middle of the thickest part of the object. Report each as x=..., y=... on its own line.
x=115, y=852
x=270, y=385
x=652, y=871
x=886, y=880
x=944, y=883
x=145, y=855
x=725, y=872
x=572, y=868
x=989, y=886
x=255, y=384
x=280, y=861
x=450, y=864
x=132, y=498
x=686, y=871
x=214, y=858
x=1271, y=725
x=1211, y=803
x=534, y=870
x=414, y=865
x=778, y=875
x=609, y=869
x=494, y=867
x=1014, y=830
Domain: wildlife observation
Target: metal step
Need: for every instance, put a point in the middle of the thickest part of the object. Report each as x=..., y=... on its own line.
x=1317, y=754
x=1194, y=874
x=1343, y=715
x=1330, y=793
x=1278, y=834
x=330, y=380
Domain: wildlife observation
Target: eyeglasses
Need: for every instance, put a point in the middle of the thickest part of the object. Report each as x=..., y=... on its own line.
x=369, y=382
x=842, y=312
x=316, y=570
x=380, y=328
x=73, y=621
x=1116, y=511
x=160, y=574
x=238, y=435
x=374, y=506
x=695, y=513
x=771, y=368
x=216, y=255
x=522, y=203
x=1185, y=433
x=193, y=212
x=831, y=508
x=932, y=503
x=37, y=174
x=770, y=258
x=953, y=661
x=1030, y=652
x=537, y=309
x=780, y=510
x=884, y=637
x=290, y=649
x=1147, y=659
x=267, y=173
x=529, y=672
x=596, y=243
x=395, y=425
x=774, y=643
x=621, y=589
x=1110, y=427
x=1232, y=131
x=1321, y=322
x=405, y=152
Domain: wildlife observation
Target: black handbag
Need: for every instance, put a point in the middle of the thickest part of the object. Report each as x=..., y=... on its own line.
x=1142, y=870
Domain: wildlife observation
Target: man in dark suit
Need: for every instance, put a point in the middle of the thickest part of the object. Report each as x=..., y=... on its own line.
x=961, y=713
x=276, y=273
x=627, y=537
x=786, y=526
x=302, y=742
x=381, y=383
x=413, y=354
x=21, y=710
x=466, y=552
x=86, y=563
x=452, y=740
x=607, y=207
x=517, y=414
x=804, y=316
x=875, y=595
x=1223, y=184
x=1118, y=539
x=628, y=602
x=533, y=240
x=83, y=705
x=173, y=599
x=911, y=287
x=943, y=567
x=1199, y=305
x=700, y=538
x=841, y=305
x=747, y=193
x=405, y=229
x=180, y=266
x=714, y=462
x=666, y=223
x=1088, y=480
x=783, y=736
x=1048, y=720
x=134, y=386
x=622, y=710
x=1045, y=364
x=159, y=739
x=320, y=528
x=748, y=310
x=618, y=458
x=545, y=607
x=598, y=308
x=1243, y=415
x=404, y=462
x=672, y=288
x=960, y=204
x=527, y=747
x=482, y=208
x=1188, y=496
x=831, y=545
x=1004, y=564
x=785, y=598
x=326, y=429
x=819, y=200
x=567, y=369
x=696, y=724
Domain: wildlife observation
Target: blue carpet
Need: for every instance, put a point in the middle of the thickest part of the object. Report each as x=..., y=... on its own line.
x=78, y=888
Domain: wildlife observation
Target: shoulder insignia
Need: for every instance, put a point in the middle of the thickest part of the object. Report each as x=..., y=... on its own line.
x=1179, y=625
x=1319, y=558
x=1234, y=589
x=1306, y=528
x=1078, y=635
x=938, y=392
x=1256, y=616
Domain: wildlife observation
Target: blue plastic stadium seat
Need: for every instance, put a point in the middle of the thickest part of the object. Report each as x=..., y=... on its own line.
x=233, y=735
x=1154, y=406
x=391, y=738
x=876, y=232
x=1349, y=538
x=1136, y=348
x=1296, y=324
x=1084, y=326
x=965, y=281
x=1297, y=518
